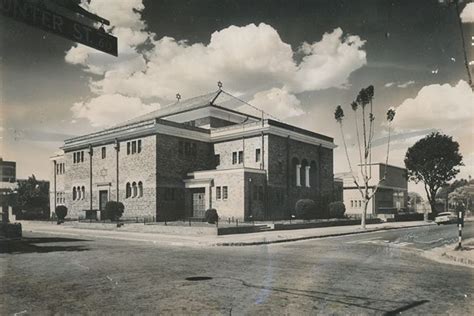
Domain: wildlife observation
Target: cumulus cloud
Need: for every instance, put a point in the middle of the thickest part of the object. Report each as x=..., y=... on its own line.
x=278, y=102
x=467, y=14
x=389, y=84
x=106, y=110
x=250, y=59
x=445, y=107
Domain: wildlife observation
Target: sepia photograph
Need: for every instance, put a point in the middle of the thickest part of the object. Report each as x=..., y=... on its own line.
x=236, y=157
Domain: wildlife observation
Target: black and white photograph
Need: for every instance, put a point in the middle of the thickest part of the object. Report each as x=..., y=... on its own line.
x=236, y=157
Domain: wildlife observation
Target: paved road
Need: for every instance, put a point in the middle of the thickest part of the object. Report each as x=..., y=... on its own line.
x=376, y=273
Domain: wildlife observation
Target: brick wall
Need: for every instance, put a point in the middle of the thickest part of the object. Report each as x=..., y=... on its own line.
x=248, y=146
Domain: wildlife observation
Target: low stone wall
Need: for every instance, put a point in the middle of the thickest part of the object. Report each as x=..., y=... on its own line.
x=241, y=230
x=150, y=228
x=10, y=230
x=326, y=223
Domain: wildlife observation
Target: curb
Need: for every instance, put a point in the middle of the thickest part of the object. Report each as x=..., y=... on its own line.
x=458, y=259
x=266, y=242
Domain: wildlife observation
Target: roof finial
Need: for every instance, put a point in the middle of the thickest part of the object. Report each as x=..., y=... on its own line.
x=178, y=96
x=219, y=84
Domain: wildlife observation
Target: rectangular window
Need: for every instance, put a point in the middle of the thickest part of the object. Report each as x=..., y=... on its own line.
x=139, y=145
x=73, y=157
x=104, y=153
x=360, y=203
x=134, y=147
x=241, y=156
x=352, y=203
x=260, y=193
x=257, y=155
x=234, y=157
x=218, y=193
x=82, y=156
x=128, y=148
x=224, y=193
x=217, y=159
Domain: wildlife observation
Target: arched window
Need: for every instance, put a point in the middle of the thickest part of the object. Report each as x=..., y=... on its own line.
x=83, y=194
x=295, y=172
x=304, y=173
x=313, y=181
x=78, y=189
x=134, y=189
x=140, y=189
x=74, y=194
x=128, y=190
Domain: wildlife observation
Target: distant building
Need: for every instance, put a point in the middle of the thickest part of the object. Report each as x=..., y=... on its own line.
x=193, y=155
x=391, y=196
x=7, y=171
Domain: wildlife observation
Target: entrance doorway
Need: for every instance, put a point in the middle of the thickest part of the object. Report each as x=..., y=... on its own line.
x=103, y=199
x=199, y=204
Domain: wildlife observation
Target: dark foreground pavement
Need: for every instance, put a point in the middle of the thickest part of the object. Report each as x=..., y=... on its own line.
x=374, y=273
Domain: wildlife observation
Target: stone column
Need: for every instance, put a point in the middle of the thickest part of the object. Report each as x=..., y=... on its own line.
x=306, y=177
x=298, y=175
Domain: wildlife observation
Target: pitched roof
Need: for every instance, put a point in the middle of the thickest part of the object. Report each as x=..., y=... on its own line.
x=216, y=98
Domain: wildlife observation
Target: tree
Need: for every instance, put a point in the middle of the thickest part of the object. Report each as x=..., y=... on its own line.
x=61, y=212
x=33, y=196
x=433, y=160
x=114, y=210
x=365, y=120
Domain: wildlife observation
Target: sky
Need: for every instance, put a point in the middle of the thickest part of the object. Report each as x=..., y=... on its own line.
x=297, y=60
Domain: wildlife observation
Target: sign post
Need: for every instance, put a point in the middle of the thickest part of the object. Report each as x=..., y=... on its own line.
x=39, y=16
x=460, y=211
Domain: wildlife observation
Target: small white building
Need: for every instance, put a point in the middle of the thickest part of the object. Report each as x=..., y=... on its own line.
x=391, y=196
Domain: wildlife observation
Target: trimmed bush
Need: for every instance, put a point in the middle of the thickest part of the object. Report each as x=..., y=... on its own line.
x=305, y=209
x=61, y=212
x=211, y=216
x=114, y=210
x=337, y=209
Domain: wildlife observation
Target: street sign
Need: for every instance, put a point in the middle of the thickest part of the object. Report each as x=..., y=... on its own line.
x=41, y=17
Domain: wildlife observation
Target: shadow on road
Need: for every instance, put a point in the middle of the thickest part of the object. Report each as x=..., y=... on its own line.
x=386, y=306
x=30, y=245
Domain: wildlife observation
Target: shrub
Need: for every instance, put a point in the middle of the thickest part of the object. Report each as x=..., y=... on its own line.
x=114, y=210
x=337, y=209
x=211, y=216
x=305, y=209
x=61, y=212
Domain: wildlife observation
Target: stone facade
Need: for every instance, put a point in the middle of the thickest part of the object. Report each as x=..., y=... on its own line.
x=167, y=167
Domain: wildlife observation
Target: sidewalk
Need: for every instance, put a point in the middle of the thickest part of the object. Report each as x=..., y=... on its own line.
x=447, y=254
x=250, y=239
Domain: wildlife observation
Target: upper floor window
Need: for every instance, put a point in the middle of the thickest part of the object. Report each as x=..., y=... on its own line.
x=104, y=152
x=241, y=156
x=78, y=157
x=257, y=155
x=218, y=193
x=134, y=147
x=234, y=157
x=60, y=168
x=224, y=193
x=217, y=159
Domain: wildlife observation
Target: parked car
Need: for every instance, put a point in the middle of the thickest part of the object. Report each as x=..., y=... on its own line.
x=446, y=218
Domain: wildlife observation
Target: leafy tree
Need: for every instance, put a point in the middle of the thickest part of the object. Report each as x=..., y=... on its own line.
x=433, y=160
x=33, y=195
x=364, y=104
x=448, y=188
